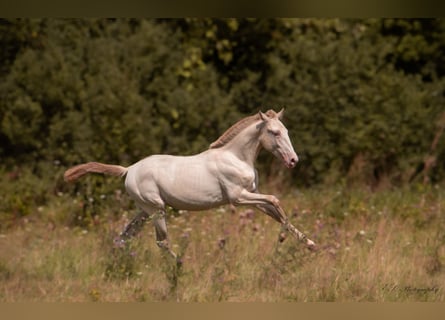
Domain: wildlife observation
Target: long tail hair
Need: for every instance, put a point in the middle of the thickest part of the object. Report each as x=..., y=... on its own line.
x=80, y=170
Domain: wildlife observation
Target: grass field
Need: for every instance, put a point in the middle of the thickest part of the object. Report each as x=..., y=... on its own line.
x=372, y=246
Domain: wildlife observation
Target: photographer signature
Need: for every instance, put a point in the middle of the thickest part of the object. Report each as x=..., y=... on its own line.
x=410, y=289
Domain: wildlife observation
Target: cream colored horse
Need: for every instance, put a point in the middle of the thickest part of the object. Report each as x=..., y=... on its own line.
x=223, y=174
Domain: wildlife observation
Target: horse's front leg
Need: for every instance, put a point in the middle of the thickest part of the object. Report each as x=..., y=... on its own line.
x=272, y=207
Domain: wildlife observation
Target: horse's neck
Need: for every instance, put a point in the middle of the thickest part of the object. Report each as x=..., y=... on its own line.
x=246, y=145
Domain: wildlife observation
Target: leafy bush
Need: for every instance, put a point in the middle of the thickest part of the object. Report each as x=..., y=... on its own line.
x=348, y=105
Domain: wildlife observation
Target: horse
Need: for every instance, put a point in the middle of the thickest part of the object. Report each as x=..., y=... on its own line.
x=222, y=174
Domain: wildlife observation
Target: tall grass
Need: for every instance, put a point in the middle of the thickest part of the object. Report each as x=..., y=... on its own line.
x=383, y=246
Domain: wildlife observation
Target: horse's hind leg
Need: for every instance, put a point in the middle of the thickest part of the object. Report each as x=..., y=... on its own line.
x=161, y=233
x=134, y=227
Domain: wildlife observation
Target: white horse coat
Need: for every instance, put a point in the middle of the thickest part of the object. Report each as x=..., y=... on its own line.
x=221, y=175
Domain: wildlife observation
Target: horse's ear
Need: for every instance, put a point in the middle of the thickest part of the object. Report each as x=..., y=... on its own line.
x=280, y=114
x=263, y=116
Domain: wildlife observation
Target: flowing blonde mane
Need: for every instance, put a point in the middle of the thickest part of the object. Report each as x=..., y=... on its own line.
x=233, y=131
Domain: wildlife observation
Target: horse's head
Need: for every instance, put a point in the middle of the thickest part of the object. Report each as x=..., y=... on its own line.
x=275, y=138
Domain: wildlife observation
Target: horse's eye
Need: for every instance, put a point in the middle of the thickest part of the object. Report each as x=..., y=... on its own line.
x=276, y=133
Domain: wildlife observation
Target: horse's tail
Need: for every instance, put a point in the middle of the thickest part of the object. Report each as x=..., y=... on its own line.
x=80, y=170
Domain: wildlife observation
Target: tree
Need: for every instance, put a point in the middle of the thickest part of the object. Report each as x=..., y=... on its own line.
x=349, y=104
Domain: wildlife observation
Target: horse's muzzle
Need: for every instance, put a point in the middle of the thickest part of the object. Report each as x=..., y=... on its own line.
x=291, y=161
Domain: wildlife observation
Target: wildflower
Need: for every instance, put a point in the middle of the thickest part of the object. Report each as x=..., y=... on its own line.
x=185, y=235
x=119, y=242
x=247, y=214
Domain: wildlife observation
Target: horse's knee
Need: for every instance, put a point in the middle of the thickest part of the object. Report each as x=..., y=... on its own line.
x=274, y=201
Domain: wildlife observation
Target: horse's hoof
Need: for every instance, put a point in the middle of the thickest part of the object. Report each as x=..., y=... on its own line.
x=282, y=237
x=311, y=245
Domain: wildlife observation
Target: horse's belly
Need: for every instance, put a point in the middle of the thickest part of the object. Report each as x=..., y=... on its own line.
x=193, y=193
x=182, y=202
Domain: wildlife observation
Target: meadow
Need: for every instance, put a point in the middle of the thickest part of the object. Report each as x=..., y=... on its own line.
x=372, y=246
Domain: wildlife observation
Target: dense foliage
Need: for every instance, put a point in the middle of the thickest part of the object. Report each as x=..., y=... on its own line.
x=364, y=98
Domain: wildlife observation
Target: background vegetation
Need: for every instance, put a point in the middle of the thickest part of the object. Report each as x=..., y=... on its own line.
x=364, y=107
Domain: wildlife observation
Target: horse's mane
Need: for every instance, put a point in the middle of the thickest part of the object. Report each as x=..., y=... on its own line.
x=233, y=131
